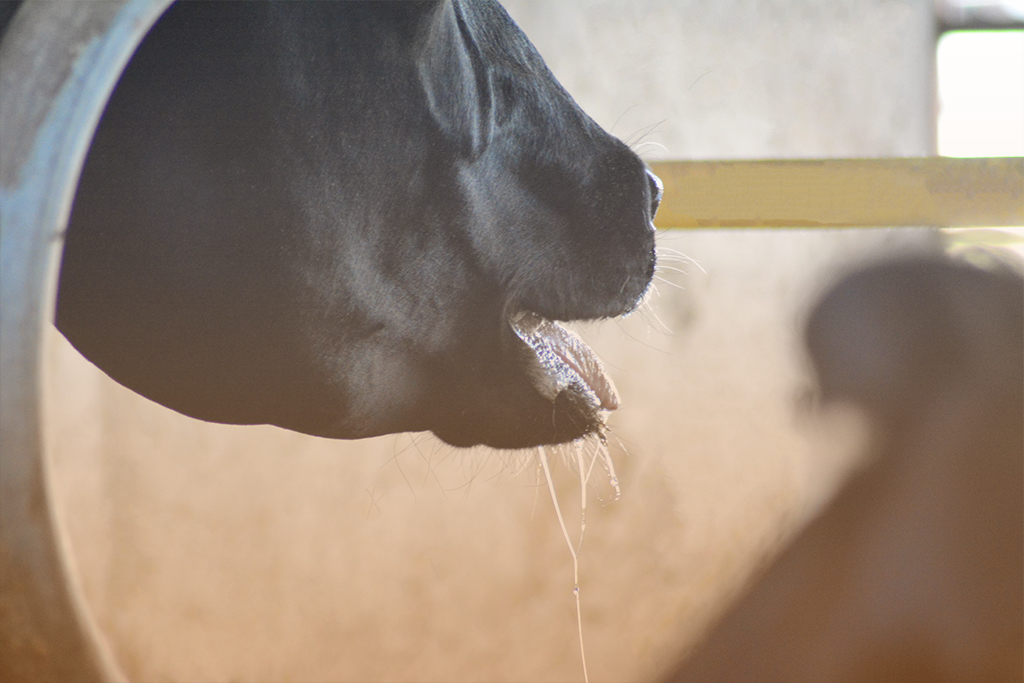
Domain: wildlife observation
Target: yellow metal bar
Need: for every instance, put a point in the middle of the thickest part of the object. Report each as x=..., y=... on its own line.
x=817, y=193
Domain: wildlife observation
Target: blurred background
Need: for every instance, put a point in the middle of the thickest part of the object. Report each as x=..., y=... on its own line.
x=211, y=552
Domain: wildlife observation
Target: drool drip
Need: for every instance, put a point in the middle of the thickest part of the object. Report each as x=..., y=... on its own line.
x=584, y=471
x=542, y=454
x=566, y=363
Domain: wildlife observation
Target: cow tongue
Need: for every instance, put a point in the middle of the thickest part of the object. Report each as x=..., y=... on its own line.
x=567, y=361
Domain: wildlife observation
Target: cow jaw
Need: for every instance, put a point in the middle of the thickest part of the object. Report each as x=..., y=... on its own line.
x=565, y=363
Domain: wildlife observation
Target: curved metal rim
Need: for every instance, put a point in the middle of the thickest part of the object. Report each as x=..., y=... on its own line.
x=59, y=62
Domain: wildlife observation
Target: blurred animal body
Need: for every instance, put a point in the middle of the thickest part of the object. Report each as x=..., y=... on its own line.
x=914, y=571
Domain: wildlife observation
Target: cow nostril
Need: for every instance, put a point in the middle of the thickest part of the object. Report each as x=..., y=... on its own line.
x=656, y=191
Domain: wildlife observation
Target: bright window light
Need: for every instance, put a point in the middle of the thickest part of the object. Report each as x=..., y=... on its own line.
x=981, y=110
x=981, y=93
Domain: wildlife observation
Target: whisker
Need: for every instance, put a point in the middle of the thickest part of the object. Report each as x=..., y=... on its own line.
x=647, y=344
x=626, y=111
x=649, y=143
x=665, y=329
x=669, y=283
x=635, y=139
x=673, y=269
x=675, y=256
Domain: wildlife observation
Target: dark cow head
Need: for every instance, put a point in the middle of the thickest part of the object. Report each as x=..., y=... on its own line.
x=350, y=219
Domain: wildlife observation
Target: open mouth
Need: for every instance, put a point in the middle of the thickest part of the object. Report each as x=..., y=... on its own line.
x=565, y=362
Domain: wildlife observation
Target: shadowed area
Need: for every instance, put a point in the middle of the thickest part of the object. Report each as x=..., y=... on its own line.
x=915, y=572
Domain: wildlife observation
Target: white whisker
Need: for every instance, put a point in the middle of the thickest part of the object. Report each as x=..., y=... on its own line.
x=649, y=143
x=662, y=266
x=665, y=329
x=669, y=283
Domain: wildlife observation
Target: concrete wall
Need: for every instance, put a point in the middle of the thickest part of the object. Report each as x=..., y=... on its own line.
x=211, y=552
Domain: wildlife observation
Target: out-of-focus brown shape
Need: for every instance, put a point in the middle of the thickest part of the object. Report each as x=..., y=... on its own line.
x=915, y=572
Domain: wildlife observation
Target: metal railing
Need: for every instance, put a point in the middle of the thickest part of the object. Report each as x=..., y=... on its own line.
x=842, y=193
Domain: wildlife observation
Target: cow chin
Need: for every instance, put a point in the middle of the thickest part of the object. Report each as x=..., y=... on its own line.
x=523, y=405
x=532, y=421
x=536, y=384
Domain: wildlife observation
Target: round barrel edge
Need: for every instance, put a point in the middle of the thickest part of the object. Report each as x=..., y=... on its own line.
x=59, y=62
